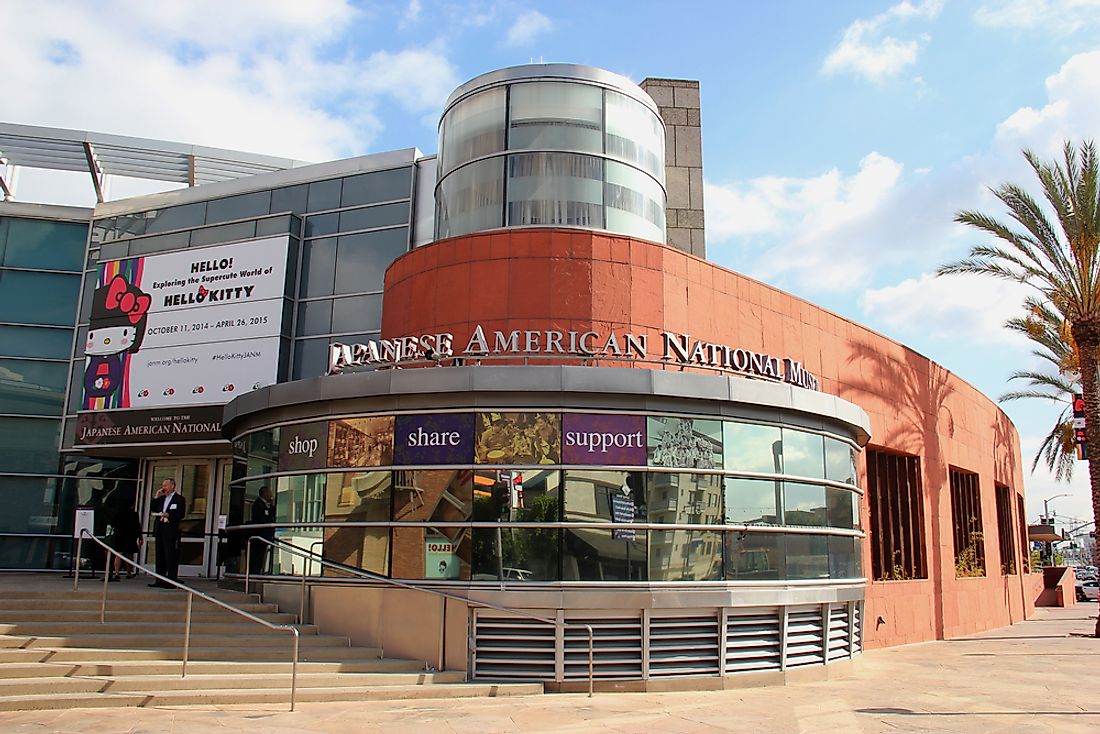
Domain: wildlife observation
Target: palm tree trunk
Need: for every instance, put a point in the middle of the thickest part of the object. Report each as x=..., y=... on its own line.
x=1086, y=336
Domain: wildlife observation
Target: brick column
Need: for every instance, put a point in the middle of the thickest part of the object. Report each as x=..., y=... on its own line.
x=678, y=101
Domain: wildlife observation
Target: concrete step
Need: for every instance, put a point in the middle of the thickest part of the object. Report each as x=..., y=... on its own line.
x=238, y=626
x=224, y=669
x=114, y=603
x=44, y=702
x=275, y=654
x=52, y=685
x=259, y=639
x=163, y=683
x=59, y=701
x=124, y=590
x=206, y=614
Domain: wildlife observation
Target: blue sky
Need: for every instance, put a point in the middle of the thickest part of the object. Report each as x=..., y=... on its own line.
x=839, y=137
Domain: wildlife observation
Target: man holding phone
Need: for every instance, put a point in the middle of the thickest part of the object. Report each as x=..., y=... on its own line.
x=168, y=508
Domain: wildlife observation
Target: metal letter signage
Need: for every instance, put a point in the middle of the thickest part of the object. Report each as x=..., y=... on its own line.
x=675, y=348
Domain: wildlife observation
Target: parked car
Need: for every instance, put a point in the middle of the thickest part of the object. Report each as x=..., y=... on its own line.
x=1087, y=591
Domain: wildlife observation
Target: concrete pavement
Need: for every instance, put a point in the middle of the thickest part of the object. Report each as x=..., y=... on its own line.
x=1037, y=676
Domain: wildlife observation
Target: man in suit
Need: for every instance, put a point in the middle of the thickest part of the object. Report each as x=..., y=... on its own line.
x=169, y=507
x=263, y=513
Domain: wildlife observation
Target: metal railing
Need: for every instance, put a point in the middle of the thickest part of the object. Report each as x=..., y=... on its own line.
x=310, y=556
x=191, y=594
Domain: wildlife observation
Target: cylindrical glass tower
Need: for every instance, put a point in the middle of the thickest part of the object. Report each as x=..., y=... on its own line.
x=553, y=145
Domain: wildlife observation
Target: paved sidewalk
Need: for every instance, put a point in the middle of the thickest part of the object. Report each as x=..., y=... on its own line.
x=1038, y=676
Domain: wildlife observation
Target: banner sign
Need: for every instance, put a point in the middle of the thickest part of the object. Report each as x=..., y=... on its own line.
x=611, y=440
x=679, y=349
x=434, y=438
x=189, y=327
x=1079, y=427
x=114, y=427
x=685, y=443
x=303, y=446
x=517, y=438
x=361, y=442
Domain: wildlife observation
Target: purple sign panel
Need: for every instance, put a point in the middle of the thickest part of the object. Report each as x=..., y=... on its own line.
x=434, y=438
x=613, y=440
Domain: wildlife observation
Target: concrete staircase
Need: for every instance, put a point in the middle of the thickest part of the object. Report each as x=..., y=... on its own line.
x=55, y=654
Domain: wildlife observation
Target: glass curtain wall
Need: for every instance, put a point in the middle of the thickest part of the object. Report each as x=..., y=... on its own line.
x=551, y=153
x=742, y=502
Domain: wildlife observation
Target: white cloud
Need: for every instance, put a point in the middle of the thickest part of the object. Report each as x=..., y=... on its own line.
x=866, y=50
x=271, y=76
x=1061, y=17
x=966, y=309
x=527, y=27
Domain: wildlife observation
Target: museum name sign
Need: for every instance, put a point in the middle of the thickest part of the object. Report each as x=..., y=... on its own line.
x=673, y=348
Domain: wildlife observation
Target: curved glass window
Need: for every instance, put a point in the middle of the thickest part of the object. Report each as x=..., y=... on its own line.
x=472, y=128
x=555, y=188
x=357, y=497
x=635, y=134
x=840, y=461
x=804, y=504
x=555, y=115
x=803, y=454
x=752, y=501
x=755, y=556
x=510, y=553
x=471, y=199
x=597, y=554
x=635, y=203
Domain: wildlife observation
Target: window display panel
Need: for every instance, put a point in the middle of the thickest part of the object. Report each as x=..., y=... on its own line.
x=597, y=554
x=425, y=496
x=635, y=203
x=358, y=497
x=361, y=442
x=29, y=444
x=472, y=128
x=843, y=508
x=685, y=555
x=752, y=501
x=555, y=188
x=471, y=199
x=840, y=461
x=516, y=554
x=755, y=556
x=803, y=454
x=845, y=557
x=807, y=556
x=804, y=504
x=517, y=438
x=635, y=134
x=684, y=442
x=556, y=116
x=749, y=447
x=685, y=499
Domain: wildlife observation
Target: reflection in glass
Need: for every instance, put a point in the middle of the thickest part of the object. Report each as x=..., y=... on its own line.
x=604, y=496
x=685, y=555
x=684, y=442
x=843, y=508
x=685, y=499
x=358, y=497
x=840, y=461
x=807, y=556
x=844, y=557
x=803, y=454
x=29, y=444
x=804, y=504
x=444, y=495
x=754, y=556
x=516, y=554
x=752, y=501
x=750, y=447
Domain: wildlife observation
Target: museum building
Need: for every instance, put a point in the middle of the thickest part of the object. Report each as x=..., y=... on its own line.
x=505, y=371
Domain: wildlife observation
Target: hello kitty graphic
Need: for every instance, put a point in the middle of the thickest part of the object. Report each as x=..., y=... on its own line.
x=115, y=329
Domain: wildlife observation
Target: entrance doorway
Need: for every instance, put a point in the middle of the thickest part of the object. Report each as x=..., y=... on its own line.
x=200, y=483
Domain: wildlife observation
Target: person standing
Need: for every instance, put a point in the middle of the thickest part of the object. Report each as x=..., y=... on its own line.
x=125, y=537
x=263, y=513
x=169, y=507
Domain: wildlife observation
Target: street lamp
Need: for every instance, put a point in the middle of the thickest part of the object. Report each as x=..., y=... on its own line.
x=1047, y=519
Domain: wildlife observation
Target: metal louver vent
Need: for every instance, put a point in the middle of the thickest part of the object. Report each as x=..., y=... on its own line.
x=857, y=628
x=752, y=641
x=805, y=638
x=618, y=647
x=838, y=632
x=512, y=647
x=683, y=646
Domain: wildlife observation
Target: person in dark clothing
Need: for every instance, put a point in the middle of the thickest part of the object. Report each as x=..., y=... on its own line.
x=125, y=537
x=169, y=507
x=263, y=513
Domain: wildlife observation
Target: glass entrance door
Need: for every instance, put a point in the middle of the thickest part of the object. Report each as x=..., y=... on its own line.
x=195, y=481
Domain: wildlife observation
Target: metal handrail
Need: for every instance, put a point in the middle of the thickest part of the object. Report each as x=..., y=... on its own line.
x=363, y=573
x=191, y=593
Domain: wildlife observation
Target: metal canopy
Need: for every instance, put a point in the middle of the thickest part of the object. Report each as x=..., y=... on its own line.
x=101, y=155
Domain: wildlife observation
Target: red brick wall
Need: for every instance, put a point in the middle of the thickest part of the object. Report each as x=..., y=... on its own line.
x=574, y=280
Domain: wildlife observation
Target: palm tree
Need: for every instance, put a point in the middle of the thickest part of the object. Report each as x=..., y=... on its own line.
x=1059, y=259
x=1044, y=327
